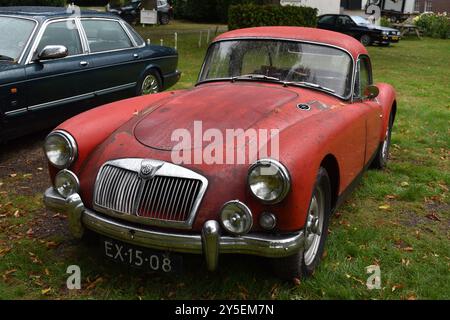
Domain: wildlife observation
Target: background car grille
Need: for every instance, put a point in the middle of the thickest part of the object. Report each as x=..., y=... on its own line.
x=162, y=198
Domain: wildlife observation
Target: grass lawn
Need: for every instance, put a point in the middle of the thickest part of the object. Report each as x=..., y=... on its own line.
x=398, y=219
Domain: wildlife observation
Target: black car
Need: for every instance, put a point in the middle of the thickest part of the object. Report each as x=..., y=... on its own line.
x=359, y=28
x=54, y=64
x=130, y=11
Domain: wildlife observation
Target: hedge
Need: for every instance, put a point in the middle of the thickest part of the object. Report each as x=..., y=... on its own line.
x=208, y=10
x=433, y=25
x=250, y=15
x=53, y=3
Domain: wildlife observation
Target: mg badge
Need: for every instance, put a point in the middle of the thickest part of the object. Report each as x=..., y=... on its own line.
x=149, y=169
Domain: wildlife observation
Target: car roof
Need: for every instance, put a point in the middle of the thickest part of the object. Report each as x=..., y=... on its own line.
x=42, y=13
x=336, y=39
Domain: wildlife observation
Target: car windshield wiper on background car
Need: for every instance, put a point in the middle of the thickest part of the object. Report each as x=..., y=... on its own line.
x=255, y=77
x=6, y=58
x=309, y=85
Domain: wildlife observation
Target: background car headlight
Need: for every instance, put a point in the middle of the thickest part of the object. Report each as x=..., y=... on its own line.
x=236, y=217
x=269, y=181
x=60, y=149
x=66, y=183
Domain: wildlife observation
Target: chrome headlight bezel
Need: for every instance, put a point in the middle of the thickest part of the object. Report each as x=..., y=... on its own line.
x=71, y=146
x=68, y=176
x=281, y=170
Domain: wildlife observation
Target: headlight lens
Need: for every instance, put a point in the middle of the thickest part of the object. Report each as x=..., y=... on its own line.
x=236, y=217
x=66, y=183
x=60, y=149
x=269, y=180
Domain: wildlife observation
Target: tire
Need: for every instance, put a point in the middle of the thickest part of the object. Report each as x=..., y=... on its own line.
x=385, y=44
x=150, y=83
x=366, y=40
x=306, y=260
x=382, y=156
x=164, y=19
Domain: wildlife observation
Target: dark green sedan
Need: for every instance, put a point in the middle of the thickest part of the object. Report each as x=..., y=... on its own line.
x=55, y=63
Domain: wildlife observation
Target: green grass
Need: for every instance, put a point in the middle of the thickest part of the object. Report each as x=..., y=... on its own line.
x=388, y=221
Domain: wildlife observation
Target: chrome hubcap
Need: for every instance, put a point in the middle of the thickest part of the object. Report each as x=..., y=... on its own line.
x=314, y=226
x=150, y=85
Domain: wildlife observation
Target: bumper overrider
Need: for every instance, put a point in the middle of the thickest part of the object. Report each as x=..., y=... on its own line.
x=209, y=242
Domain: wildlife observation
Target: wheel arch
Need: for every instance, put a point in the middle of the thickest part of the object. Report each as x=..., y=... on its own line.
x=331, y=165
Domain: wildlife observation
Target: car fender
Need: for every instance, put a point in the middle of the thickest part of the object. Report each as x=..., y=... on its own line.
x=387, y=99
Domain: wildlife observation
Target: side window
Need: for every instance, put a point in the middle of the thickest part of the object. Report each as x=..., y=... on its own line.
x=136, y=37
x=63, y=33
x=364, y=76
x=344, y=20
x=328, y=20
x=105, y=35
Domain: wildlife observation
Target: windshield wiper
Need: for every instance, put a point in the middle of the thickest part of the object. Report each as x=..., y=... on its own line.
x=309, y=85
x=255, y=77
x=6, y=58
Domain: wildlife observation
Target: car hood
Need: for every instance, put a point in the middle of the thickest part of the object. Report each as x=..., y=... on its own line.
x=375, y=27
x=219, y=107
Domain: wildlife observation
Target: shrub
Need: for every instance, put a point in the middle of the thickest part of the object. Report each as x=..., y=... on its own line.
x=385, y=22
x=250, y=15
x=433, y=25
x=208, y=10
x=53, y=3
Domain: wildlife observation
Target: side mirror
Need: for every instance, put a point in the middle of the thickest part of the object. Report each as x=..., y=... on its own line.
x=53, y=52
x=371, y=92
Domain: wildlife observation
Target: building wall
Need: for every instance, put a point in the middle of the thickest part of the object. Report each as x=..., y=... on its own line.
x=323, y=6
x=437, y=6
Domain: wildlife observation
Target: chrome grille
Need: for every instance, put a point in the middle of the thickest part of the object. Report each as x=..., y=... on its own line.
x=170, y=198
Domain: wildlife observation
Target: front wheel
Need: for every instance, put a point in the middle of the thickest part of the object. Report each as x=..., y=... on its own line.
x=164, y=19
x=365, y=40
x=381, y=158
x=150, y=84
x=304, y=262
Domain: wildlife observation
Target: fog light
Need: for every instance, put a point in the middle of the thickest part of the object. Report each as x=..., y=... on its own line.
x=66, y=183
x=267, y=220
x=236, y=217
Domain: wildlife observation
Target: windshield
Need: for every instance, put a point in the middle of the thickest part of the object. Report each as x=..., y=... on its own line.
x=14, y=36
x=359, y=20
x=292, y=62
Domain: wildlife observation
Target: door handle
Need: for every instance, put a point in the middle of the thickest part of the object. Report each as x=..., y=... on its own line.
x=84, y=63
x=135, y=55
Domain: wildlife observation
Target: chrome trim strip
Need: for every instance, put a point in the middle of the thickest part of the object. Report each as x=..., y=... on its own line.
x=166, y=169
x=284, y=39
x=17, y=111
x=209, y=242
x=62, y=101
x=116, y=88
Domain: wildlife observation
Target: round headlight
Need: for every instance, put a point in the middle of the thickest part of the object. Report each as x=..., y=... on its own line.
x=269, y=181
x=60, y=149
x=236, y=217
x=66, y=183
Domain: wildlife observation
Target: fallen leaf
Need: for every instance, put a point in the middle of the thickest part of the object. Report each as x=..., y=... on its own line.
x=408, y=249
x=397, y=286
x=6, y=273
x=47, y=272
x=30, y=232
x=94, y=283
x=391, y=196
x=433, y=216
x=404, y=184
x=384, y=207
x=405, y=262
x=13, y=175
x=46, y=291
x=412, y=297
x=51, y=244
x=40, y=169
x=16, y=214
x=296, y=281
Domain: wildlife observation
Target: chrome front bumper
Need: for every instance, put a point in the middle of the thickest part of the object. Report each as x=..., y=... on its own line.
x=210, y=242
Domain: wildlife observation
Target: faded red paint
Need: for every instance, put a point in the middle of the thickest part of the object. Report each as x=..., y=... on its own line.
x=141, y=127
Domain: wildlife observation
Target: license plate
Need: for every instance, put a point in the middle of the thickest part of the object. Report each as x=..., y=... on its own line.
x=394, y=37
x=141, y=257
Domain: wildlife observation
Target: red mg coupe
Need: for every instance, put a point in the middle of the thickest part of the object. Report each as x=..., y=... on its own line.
x=190, y=171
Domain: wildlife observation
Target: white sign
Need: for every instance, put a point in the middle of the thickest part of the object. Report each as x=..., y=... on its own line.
x=149, y=16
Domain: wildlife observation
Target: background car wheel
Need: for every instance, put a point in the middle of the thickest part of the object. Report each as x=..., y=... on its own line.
x=150, y=84
x=385, y=44
x=365, y=40
x=382, y=156
x=164, y=19
x=303, y=263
